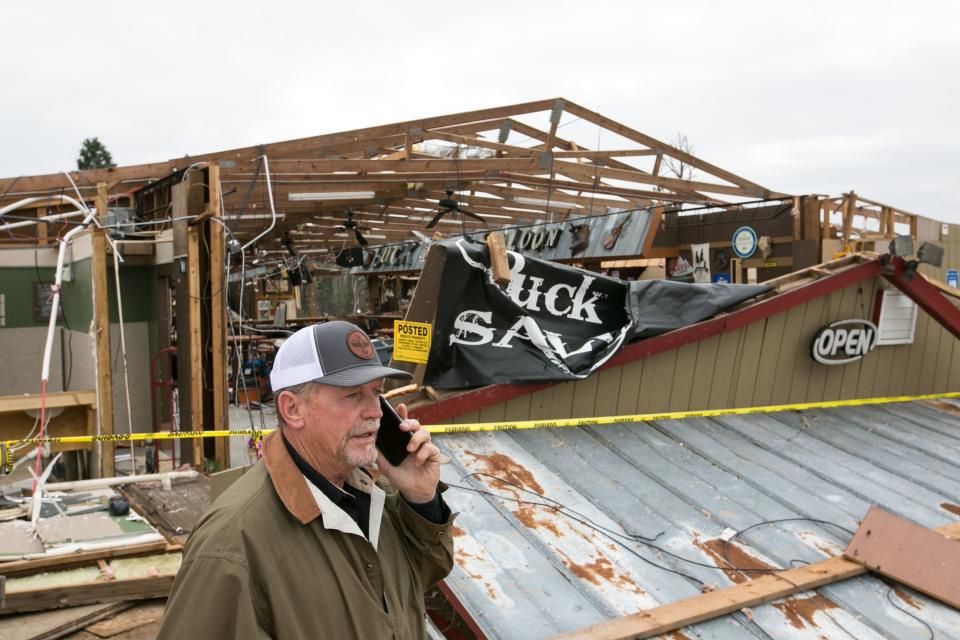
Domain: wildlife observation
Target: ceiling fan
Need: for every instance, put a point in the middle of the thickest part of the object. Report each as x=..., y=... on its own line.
x=449, y=205
x=350, y=225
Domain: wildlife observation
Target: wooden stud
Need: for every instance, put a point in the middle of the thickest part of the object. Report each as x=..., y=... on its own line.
x=218, y=318
x=42, y=238
x=848, y=203
x=101, y=328
x=826, y=210
x=810, y=210
x=497, y=248
x=423, y=307
x=194, y=338
x=797, y=214
x=655, y=218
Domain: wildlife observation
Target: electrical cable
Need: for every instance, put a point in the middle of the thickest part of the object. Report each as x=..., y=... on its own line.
x=559, y=507
x=248, y=192
x=123, y=350
x=906, y=612
x=596, y=180
x=238, y=335
x=273, y=209
x=726, y=543
x=611, y=535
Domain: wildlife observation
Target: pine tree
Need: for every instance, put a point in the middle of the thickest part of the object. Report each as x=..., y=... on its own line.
x=94, y=155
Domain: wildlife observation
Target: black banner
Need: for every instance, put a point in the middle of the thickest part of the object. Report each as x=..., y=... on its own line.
x=552, y=322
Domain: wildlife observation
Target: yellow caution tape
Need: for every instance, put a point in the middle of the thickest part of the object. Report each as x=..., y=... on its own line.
x=139, y=437
x=677, y=415
x=7, y=458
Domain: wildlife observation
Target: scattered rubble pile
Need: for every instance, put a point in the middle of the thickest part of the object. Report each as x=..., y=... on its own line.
x=94, y=558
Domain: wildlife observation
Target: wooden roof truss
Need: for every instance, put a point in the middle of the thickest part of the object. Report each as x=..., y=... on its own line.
x=508, y=165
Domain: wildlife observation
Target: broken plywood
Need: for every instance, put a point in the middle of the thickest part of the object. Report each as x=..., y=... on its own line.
x=17, y=539
x=174, y=512
x=908, y=553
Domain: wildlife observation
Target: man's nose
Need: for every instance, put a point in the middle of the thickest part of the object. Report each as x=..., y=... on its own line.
x=372, y=408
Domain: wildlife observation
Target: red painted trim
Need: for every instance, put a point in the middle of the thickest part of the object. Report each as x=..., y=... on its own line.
x=461, y=610
x=473, y=400
x=494, y=394
x=927, y=297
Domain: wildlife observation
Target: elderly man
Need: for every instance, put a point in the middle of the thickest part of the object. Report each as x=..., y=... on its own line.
x=310, y=543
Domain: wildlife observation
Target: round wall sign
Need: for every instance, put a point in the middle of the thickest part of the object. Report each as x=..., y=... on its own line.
x=744, y=242
x=843, y=341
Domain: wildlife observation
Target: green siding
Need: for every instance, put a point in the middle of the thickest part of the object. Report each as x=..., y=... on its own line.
x=138, y=284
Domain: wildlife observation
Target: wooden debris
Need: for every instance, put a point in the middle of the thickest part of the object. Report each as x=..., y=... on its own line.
x=498, y=257
x=48, y=625
x=136, y=579
x=19, y=568
x=908, y=553
x=401, y=391
x=137, y=616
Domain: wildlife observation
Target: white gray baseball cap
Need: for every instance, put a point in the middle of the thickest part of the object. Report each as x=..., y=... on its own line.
x=337, y=353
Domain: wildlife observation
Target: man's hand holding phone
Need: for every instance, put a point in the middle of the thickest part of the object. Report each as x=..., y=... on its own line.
x=408, y=458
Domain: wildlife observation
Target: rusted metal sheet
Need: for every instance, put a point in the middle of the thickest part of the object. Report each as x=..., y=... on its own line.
x=690, y=484
x=908, y=553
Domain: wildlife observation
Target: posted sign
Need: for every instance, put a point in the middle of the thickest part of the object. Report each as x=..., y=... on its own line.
x=411, y=341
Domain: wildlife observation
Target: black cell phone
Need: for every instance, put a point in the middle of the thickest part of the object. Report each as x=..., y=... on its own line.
x=391, y=440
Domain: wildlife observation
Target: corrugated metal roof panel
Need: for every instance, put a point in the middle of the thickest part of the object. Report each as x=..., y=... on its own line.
x=531, y=567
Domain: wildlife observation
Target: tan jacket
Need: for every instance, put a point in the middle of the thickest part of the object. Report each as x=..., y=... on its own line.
x=274, y=559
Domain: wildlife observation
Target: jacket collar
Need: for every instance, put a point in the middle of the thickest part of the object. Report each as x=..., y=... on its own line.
x=305, y=502
x=287, y=480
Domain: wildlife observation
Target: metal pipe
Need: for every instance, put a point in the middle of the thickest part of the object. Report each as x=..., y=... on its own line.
x=110, y=482
x=51, y=218
x=273, y=221
x=55, y=305
x=26, y=202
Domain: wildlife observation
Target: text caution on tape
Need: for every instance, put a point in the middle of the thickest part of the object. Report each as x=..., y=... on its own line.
x=411, y=341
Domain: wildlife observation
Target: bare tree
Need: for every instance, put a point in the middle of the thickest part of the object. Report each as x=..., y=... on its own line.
x=679, y=168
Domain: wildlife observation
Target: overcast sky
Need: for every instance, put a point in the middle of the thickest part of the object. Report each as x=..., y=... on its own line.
x=801, y=97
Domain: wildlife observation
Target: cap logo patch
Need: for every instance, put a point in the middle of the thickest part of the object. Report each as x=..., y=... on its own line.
x=360, y=345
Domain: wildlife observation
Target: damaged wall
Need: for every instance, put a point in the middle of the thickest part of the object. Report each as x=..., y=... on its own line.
x=72, y=366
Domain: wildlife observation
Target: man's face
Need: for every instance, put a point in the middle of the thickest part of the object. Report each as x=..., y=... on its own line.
x=341, y=423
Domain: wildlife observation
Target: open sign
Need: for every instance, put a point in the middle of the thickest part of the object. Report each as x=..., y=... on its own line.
x=843, y=341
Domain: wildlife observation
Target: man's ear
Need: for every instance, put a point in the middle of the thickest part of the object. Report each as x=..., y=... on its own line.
x=289, y=407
